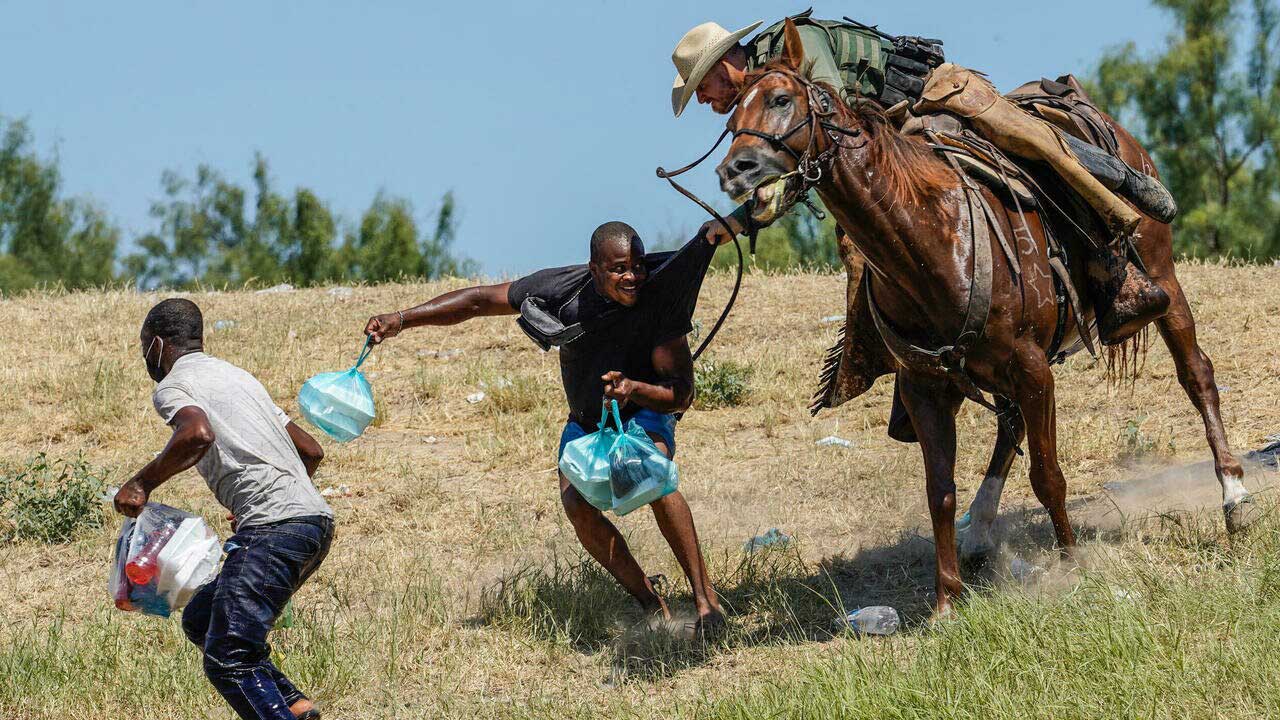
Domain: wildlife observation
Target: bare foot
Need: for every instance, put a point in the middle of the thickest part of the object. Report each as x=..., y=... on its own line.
x=711, y=624
x=659, y=614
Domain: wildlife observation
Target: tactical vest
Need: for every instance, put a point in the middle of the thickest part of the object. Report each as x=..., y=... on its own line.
x=871, y=66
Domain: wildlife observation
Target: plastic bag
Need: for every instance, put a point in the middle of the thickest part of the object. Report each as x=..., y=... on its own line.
x=638, y=471
x=585, y=461
x=339, y=403
x=162, y=557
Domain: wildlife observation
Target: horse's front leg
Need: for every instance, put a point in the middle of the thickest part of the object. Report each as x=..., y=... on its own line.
x=978, y=541
x=932, y=405
x=1034, y=393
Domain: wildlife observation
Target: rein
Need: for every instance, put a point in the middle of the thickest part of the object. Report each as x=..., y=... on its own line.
x=737, y=281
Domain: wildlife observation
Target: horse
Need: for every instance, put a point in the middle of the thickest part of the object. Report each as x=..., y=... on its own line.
x=917, y=221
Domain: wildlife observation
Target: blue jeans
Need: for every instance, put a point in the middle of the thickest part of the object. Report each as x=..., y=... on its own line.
x=655, y=423
x=229, y=618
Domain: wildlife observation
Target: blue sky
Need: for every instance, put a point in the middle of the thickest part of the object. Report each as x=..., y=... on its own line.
x=544, y=119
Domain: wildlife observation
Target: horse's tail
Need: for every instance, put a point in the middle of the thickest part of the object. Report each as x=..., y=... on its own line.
x=1127, y=359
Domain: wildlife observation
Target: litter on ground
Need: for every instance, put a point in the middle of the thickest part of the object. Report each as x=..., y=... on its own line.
x=281, y=288
x=773, y=537
x=835, y=441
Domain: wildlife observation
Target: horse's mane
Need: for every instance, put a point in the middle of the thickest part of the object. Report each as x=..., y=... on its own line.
x=915, y=175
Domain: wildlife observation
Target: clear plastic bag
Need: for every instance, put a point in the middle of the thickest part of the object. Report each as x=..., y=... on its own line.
x=638, y=471
x=162, y=557
x=585, y=461
x=339, y=403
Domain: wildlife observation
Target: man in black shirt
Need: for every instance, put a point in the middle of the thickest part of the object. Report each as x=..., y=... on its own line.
x=624, y=318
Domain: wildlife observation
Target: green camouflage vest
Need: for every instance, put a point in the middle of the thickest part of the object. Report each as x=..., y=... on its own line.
x=854, y=60
x=858, y=55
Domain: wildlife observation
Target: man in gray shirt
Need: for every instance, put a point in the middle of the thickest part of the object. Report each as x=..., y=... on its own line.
x=258, y=463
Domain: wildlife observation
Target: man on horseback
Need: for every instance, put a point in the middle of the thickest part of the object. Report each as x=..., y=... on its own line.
x=908, y=78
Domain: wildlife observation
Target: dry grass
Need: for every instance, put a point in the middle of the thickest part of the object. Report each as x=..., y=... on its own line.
x=455, y=587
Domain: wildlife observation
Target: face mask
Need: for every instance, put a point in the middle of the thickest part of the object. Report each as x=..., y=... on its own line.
x=156, y=371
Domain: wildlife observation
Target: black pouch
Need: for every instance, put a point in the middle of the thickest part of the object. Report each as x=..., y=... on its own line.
x=543, y=327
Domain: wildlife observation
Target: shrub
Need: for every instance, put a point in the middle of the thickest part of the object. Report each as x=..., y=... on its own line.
x=720, y=384
x=50, y=501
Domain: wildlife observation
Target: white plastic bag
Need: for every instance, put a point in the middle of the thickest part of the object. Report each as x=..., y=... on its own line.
x=162, y=557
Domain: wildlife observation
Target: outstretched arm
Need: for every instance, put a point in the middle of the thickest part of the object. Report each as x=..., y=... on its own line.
x=192, y=437
x=450, y=308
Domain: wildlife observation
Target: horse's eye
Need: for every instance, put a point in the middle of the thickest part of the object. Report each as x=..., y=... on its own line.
x=782, y=101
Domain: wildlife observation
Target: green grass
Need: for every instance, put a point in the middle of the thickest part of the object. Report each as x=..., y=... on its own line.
x=720, y=384
x=50, y=501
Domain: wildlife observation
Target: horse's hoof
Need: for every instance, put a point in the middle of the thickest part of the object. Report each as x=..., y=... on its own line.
x=940, y=616
x=1241, y=514
x=973, y=550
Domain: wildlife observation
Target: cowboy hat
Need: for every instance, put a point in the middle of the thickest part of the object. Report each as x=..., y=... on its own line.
x=695, y=55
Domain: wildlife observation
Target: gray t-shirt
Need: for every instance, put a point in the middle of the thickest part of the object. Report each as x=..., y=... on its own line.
x=253, y=467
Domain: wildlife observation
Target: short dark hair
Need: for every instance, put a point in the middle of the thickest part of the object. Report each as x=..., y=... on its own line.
x=612, y=231
x=177, y=321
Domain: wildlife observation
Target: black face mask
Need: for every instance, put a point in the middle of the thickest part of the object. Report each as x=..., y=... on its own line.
x=156, y=371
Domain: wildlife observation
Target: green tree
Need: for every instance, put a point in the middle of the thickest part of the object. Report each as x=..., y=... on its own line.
x=207, y=235
x=1207, y=107
x=44, y=237
x=797, y=240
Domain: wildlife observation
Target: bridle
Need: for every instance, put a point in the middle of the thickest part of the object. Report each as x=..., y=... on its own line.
x=814, y=162
x=811, y=166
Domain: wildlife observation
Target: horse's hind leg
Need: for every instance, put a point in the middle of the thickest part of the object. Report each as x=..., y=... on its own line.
x=1195, y=374
x=932, y=406
x=1034, y=393
x=978, y=540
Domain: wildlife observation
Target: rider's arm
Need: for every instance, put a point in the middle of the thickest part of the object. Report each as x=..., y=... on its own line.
x=450, y=308
x=817, y=51
x=674, y=390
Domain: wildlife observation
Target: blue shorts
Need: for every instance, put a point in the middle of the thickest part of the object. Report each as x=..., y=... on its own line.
x=655, y=423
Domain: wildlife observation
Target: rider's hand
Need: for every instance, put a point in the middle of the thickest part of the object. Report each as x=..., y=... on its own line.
x=714, y=232
x=130, y=498
x=618, y=386
x=381, y=327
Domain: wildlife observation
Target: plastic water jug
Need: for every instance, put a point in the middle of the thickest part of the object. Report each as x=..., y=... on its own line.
x=339, y=403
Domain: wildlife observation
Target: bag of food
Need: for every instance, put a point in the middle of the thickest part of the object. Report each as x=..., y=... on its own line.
x=339, y=403
x=638, y=471
x=585, y=461
x=162, y=557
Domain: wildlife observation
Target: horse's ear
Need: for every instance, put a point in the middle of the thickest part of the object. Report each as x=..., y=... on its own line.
x=737, y=78
x=792, y=48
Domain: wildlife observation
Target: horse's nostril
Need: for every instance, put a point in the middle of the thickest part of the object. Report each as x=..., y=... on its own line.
x=744, y=165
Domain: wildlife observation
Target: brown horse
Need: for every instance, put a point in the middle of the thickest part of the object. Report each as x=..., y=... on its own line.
x=910, y=215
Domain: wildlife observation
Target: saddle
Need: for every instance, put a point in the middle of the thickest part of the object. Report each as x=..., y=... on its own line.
x=867, y=348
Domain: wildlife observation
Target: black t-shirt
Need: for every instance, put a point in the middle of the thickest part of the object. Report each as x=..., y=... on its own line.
x=625, y=340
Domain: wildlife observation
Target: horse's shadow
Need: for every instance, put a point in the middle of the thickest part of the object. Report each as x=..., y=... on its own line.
x=772, y=597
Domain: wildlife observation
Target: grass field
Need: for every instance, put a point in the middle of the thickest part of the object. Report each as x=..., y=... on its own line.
x=455, y=587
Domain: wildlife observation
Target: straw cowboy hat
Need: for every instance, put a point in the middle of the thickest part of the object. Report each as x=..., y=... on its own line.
x=695, y=55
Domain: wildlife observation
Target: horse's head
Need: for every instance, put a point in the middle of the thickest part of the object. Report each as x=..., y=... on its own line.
x=778, y=130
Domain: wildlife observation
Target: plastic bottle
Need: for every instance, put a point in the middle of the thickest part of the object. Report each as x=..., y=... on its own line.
x=144, y=566
x=874, y=620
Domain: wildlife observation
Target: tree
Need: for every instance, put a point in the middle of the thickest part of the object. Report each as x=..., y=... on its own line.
x=45, y=238
x=1207, y=107
x=797, y=240
x=207, y=236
